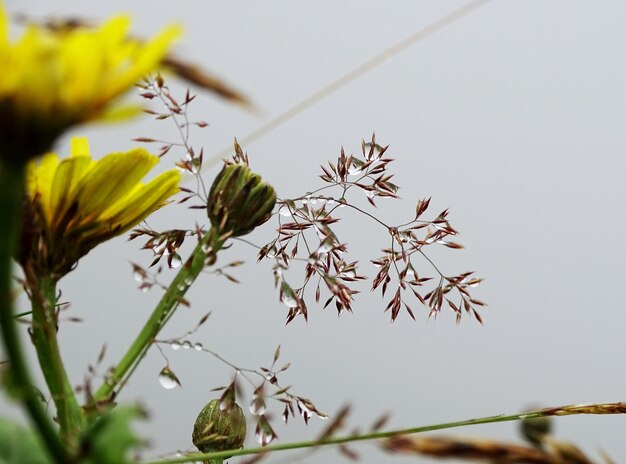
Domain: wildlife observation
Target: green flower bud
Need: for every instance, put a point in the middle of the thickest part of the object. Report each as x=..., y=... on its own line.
x=239, y=200
x=218, y=430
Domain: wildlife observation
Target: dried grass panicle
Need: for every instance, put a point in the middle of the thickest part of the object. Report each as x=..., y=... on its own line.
x=306, y=234
x=483, y=450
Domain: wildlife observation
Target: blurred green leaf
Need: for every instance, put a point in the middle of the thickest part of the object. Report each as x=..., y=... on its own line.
x=109, y=438
x=19, y=444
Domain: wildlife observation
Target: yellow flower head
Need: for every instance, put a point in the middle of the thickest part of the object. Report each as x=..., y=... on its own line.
x=52, y=79
x=76, y=203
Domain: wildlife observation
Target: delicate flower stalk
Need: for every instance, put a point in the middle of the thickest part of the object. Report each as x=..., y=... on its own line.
x=11, y=191
x=44, y=336
x=71, y=206
x=54, y=79
x=238, y=202
x=599, y=408
x=203, y=254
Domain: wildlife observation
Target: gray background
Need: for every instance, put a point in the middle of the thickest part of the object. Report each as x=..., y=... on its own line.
x=513, y=117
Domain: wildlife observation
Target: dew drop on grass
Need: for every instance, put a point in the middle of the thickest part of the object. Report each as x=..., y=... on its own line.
x=198, y=347
x=175, y=345
x=168, y=379
x=257, y=406
x=186, y=344
x=264, y=435
x=289, y=300
x=175, y=261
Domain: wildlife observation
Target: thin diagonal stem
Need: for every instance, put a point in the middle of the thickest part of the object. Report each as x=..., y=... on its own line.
x=600, y=408
x=351, y=76
x=165, y=308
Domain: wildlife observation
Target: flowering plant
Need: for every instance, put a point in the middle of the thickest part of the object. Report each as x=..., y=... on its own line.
x=54, y=211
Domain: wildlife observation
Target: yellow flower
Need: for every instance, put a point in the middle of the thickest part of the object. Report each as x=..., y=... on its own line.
x=76, y=203
x=53, y=79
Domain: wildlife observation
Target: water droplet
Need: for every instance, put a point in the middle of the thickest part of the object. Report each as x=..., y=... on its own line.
x=138, y=276
x=284, y=211
x=198, y=347
x=289, y=300
x=178, y=454
x=175, y=345
x=331, y=202
x=321, y=201
x=175, y=261
x=257, y=406
x=145, y=288
x=186, y=345
x=195, y=165
x=305, y=200
x=181, y=286
x=168, y=379
x=161, y=248
x=189, y=281
x=264, y=433
x=371, y=194
x=313, y=201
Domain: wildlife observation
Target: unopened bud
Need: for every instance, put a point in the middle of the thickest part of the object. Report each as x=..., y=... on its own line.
x=239, y=200
x=219, y=430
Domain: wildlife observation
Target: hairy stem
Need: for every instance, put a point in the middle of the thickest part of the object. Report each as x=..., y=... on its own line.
x=210, y=243
x=44, y=335
x=600, y=408
x=11, y=192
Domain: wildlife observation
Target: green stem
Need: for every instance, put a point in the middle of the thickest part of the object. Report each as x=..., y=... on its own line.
x=161, y=314
x=601, y=408
x=11, y=192
x=69, y=413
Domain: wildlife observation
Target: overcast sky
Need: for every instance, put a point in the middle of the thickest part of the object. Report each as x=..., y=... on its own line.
x=513, y=117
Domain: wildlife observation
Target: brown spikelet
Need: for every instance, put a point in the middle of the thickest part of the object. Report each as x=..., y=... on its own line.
x=485, y=450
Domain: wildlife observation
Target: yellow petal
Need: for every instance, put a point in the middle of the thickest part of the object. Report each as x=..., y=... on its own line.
x=147, y=57
x=120, y=113
x=42, y=176
x=67, y=175
x=145, y=200
x=110, y=179
x=80, y=147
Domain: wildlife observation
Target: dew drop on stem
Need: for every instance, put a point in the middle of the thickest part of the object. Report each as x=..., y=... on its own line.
x=257, y=406
x=167, y=379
